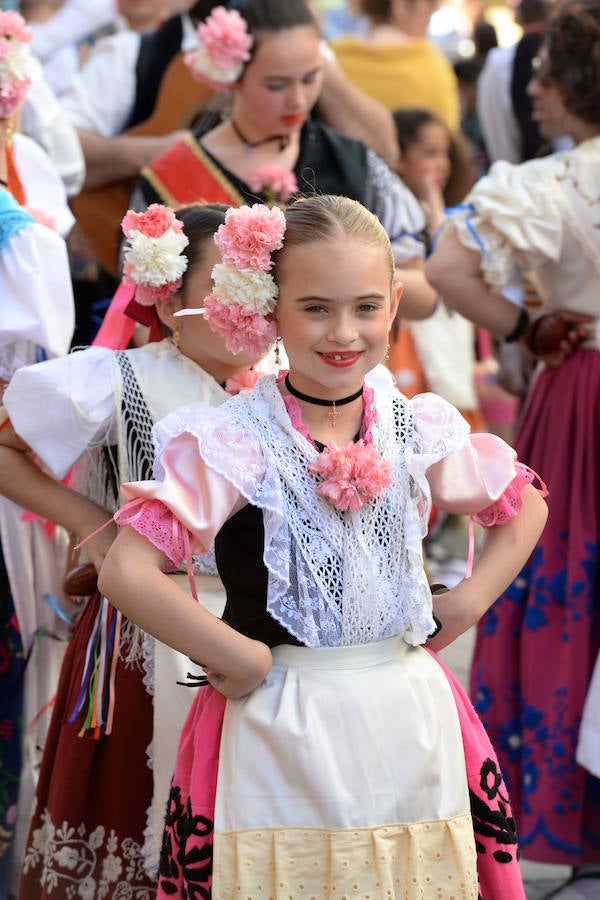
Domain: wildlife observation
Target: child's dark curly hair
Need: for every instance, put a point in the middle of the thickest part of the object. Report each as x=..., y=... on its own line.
x=573, y=45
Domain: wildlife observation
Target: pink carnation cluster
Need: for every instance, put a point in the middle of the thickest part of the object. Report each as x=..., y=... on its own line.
x=242, y=328
x=152, y=223
x=154, y=259
x=352, y=475
x=246, y=240
x=223, y=48
x=249, y=236
x=225, y=37
x=15, y=62
x=275, y=182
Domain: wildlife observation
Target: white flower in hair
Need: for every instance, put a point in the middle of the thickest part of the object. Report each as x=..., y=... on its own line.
x=153, y=259
x=253, y=288
x=156, y=260
x=16, y=62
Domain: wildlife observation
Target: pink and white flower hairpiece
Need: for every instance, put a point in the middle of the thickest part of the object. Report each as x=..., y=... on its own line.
x=16, y=62
x=223, y=48
x=154, y=259
x=245, y=292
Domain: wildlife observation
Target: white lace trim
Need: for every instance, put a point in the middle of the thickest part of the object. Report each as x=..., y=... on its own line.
x=334, y=578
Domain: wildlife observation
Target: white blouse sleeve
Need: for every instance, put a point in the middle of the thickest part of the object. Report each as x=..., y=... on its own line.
x=62, y=407
x=397, y=209
x=37, y=312
x=512, y=217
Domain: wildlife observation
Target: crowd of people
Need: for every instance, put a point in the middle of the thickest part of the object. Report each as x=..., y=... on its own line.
x=250, y=256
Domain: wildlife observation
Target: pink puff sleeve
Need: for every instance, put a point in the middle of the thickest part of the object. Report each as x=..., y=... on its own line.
x=476, y=475
x=206, y=470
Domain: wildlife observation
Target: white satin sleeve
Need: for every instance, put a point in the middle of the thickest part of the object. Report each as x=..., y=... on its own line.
x=512, y=217
x=459, y=472
x=207, y=468
x=62, y=407
x=35, y=286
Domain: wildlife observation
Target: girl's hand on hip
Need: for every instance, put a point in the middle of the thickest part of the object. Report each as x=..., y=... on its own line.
x=250, y=672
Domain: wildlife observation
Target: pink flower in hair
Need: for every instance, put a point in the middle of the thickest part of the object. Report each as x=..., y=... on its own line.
x=154, y=259
x=275, y=182
x=153, y=222
x=14, y=26
x=223, y=48
x=352, y=475
x=242, y=328
x=249, y=236
x=16, y=62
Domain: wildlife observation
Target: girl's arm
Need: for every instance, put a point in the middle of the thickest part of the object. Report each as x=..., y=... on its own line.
x=131, y=578
x=23, y=482
x=505, y=551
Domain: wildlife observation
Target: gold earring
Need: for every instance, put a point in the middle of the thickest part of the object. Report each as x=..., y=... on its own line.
x=9, y=132
x=176, y=336
x=277, y=354
x=387, y=353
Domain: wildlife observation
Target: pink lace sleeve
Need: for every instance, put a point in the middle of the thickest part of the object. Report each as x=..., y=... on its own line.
x=155, y=521
x=511, y=501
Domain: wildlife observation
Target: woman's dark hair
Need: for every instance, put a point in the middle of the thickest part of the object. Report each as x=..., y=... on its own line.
x=263, y=16
x=409, y=122
x=200, y=222
x=573, y=45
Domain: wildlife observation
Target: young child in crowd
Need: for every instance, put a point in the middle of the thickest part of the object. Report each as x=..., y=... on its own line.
x=113, y=734
x=329, y=749
x=437, y=353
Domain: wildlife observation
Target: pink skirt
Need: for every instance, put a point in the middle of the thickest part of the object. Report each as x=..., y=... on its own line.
x=360, y=771
x=536, y=647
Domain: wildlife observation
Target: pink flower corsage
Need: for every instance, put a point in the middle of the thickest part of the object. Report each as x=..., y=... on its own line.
x=244, y=292
x=223, y=48
x=154, y=259
x=16, y=62
x=245, y=381
x=276, y=183
x=352, y=475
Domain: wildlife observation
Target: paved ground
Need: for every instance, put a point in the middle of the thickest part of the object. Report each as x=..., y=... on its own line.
x=446, y=563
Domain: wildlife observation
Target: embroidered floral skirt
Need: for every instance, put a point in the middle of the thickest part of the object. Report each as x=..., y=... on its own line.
x=537, y=645
x=358, y=772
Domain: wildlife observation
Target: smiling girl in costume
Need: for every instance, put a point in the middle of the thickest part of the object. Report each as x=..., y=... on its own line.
x=329, y=748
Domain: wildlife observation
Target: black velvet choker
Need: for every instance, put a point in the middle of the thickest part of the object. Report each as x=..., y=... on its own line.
x=284, y=139
x=318, y=401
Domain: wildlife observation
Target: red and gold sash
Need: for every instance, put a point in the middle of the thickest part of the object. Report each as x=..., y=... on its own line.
x=186, y=174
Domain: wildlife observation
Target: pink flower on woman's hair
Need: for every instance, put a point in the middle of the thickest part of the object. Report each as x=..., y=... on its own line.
x=352, y=475
x=223, y=48
x=249, y=236
x=225, y=36
x=154, y=222
x=275, y=182
x=242, y=328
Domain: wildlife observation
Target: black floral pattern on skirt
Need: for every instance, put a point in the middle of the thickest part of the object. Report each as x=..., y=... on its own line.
x=185, y=871
x=492, y=819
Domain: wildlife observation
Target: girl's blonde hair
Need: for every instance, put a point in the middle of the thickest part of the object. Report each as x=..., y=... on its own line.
x=326, y=217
